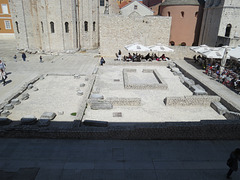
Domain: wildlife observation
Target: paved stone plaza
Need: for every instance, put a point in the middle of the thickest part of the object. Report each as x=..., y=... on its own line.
x=106, y=159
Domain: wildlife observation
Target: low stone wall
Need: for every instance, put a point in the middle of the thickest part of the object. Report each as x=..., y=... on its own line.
x=115, y=101
x=161, y=85
x=203, y=130
x=191, y=100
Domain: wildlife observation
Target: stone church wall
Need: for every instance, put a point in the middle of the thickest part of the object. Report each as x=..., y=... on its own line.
x=118, y=31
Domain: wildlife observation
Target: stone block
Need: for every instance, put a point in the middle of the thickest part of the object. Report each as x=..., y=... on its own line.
x=8, y=107
x=96, y=96
x=82, y=85
x=217, y=106
x=189, y=83
x=232, y=115
x=97, y=105
x=5, y=113
x=30, y=86
x=43, y=122
x=79, y=93
x=77, y=76
x=95, y=123
x=48, y=115
x=198, y=90
x=15, y=101
x=28, y=120
x=25, y=96
x=4, y=121
x=117, y=114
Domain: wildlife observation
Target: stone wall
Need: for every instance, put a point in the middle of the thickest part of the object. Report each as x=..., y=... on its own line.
x=203, y=130
x=160, y=85
x=118, y=31
x=202, y=100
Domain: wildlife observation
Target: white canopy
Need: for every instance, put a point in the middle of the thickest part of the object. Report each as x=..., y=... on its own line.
x=201, y=48
x=136, y=47
x=160, y=48
x=215, y=53
x=235, y=53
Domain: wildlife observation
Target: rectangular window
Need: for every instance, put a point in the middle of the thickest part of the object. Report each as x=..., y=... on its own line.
x=102, y=2
x=5, y=9
x=135, y=6
x=7, y=24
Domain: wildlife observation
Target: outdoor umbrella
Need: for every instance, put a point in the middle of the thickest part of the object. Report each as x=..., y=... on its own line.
x=235, y=53
x=201, y=48
x=215, y=53
x=160, y=48
x=136, y=47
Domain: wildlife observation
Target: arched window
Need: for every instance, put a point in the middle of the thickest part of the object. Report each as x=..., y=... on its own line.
x=172, y=43
x=94, y=26
x=183, y=44
x=17, y=27
x=86, y=25
x=196, y=14
x=169, y=14
x=228, y=30
x=52, y=27
x=66, y=27
x=42, y=27
x=182, y=13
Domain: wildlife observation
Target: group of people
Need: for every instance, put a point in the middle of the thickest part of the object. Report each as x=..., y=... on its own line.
x=24, y=57
x=149, y=57
x=230, y=77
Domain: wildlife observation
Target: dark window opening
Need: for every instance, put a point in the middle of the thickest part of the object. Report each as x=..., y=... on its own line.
x=42, y=27
x=182, y=13
x=196, y=14
x=101, y=2
x=183, y=44
x=172, y=43
x=135, y=7
x=52, y=27
x=17, y=27
x=86, y=26
x=66, y=27
x=169, y=14
x=94, y=26
x=228, y=30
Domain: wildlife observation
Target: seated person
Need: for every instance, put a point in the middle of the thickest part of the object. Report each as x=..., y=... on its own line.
x=163, y=57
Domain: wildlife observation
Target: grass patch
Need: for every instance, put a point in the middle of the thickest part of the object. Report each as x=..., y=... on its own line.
x=73, y=114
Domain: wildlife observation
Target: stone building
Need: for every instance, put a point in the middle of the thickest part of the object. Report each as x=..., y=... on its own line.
x=54, y=26
x=136, y=8
x=6, y=28
x=220, y=24
x=186, y=20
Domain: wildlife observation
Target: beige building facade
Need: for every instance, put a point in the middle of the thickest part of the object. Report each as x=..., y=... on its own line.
x=221, y=25
x=136, y=7
x=54, y=26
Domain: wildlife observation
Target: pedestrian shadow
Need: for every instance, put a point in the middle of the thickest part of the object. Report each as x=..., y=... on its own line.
x=8, y=81
x=7, y=73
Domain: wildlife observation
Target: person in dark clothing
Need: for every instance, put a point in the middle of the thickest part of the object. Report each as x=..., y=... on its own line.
x=24, y=56
x=102, y=61
x=232, y=162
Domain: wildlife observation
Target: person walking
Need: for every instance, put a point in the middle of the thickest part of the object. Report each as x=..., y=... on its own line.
x=24, y=56
x=232, y=162
x=119, y=55
x=2, y=65
x=15, y=58
x=102, y=61
x=4, y=76
x=41, y=59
